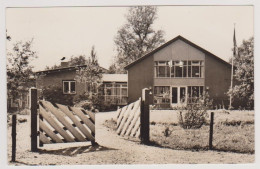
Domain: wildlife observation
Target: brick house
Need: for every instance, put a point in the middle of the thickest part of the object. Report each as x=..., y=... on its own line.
x=114, y=87
x=178, y=70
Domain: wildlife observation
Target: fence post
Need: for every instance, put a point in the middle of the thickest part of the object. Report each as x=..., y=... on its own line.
x=33, y=104
x=13, y=137
x=211, y=130
x=145, y=117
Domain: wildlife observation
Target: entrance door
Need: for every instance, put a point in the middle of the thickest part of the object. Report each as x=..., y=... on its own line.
x=179, y=95
x=174, y=95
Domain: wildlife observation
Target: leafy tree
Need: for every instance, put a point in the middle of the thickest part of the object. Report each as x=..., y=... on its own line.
x=137, y=37
x=19, y=71
x=244, y=73
x=74, y=61
x=78, y=60
x=91, y=74
x=112, y=69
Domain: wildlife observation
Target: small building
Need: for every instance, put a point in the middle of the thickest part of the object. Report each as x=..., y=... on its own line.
x=113, y=88
x=178, y=70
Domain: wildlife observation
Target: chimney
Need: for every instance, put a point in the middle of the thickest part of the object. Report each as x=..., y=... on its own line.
x=64, y=64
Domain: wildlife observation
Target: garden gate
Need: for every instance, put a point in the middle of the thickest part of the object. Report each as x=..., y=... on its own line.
x=133, y=119
x=56, y=123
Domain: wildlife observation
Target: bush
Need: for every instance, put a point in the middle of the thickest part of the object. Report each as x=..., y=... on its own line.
x=94, y=102
x=54, y=94
x=193, y=115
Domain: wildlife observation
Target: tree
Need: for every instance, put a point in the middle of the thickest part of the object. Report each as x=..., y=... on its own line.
x=78, y=60
x=244, y=73
x=137, y=37
x=112, y=69
x=19, y=71
x=74, y=61
x=91, y=74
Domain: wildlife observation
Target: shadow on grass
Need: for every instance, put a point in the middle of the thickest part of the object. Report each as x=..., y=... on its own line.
x=73, y=151
x=200, y=148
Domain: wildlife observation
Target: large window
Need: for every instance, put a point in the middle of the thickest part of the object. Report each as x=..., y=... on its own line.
x=69, y=87
x=115, y=93
x=194, y=91
x=162, y=69
x=179, y=69
x=161, y=94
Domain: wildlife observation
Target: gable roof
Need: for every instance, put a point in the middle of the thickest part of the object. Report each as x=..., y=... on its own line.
x=171, y=41
x=65, y=69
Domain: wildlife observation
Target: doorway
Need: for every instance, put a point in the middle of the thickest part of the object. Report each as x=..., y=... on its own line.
x=179, y=95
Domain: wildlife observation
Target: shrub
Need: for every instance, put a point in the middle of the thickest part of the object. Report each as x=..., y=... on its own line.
x=110, y=124
x=55, y=94
x=193, y=115
x=94, y=102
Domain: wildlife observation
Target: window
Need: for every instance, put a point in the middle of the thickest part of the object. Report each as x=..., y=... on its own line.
x=179, y=69
x=194, y=91
x=115, y=92
x=162, y=94
x=69, y=87
x=162, y=69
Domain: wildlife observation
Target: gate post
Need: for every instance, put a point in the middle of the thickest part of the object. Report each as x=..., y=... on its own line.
x=145, y=117
x=33, y=105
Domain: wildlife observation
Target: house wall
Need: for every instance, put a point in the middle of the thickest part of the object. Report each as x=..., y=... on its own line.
x=179, y=50
x=56, y=78
x=140, y=76
x=216, y=72
x=217, y=78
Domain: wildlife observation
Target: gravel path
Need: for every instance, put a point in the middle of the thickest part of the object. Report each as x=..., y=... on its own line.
x=112, y=149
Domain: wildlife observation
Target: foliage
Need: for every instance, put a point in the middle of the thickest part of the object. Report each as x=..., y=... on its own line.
x=78, y=60
x=195, y=112
x=74, y=61
x=111, y=124
x=91, y=74
x=95, y=102
x=112, y=69
x=244, y=73
x=19, y=71
x=137, y=37
x=55, y=94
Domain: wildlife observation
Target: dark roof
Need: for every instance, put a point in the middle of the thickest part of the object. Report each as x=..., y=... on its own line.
x=65, y=69
x=171, y=41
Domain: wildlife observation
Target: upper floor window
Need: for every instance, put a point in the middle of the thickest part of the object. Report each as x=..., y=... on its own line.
x=179, y=69
x=69, y=87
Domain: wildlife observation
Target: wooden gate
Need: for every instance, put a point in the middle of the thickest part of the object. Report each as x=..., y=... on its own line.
x=128, y=120
x=133, y=119
x=60, y=124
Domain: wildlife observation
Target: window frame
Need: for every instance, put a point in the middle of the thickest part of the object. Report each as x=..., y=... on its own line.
x=69, y=86
x=187, y=65
x=114, y=86
x=163, y=98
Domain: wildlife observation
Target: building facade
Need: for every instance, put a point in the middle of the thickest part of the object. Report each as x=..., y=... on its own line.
x=113, y=87
x=179, y=70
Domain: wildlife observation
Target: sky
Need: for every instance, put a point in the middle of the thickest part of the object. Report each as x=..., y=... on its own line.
x=71, y=31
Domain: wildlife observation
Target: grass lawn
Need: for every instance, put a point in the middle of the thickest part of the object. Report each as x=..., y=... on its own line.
x=233, y=132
